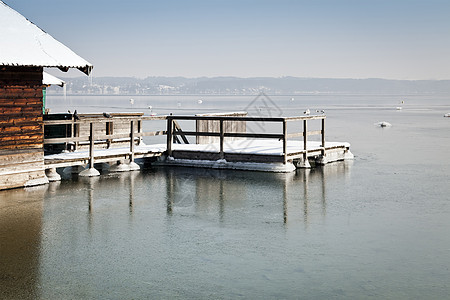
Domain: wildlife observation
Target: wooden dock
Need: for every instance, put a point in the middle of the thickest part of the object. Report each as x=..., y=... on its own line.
x=234, y=145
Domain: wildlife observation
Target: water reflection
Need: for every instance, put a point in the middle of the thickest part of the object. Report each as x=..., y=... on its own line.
x=210, y=193
x=207, y=192
x=42, y=227
x=21, y=214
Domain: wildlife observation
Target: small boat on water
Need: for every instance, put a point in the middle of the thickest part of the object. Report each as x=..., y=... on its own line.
x=383, y=124
x=447, y=115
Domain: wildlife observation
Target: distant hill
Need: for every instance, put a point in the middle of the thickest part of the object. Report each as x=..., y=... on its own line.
x=248, y=86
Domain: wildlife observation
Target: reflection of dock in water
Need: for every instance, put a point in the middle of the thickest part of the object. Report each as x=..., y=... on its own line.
x=224, y=195
x=303, y=195
x=307, y=194
x=214, y=197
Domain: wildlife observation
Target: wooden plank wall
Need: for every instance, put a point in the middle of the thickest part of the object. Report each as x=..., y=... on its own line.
x=102, y=128
x=21, y=127
x=214, y=126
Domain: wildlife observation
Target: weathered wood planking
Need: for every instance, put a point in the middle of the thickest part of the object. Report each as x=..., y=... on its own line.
x=21, y=167
x=21, y=127
x=20, y=107
x=213, y=126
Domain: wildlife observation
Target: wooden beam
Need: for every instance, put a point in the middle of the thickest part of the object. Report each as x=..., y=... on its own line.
x=91, y=146
x=169, y=136
x=323, y=136
x=132, y=141
x=222, y=137
x=284, y=142
x=179, y=131
x=305, y=139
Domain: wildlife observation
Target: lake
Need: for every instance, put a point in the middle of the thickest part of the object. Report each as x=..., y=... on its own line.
x=375, y=227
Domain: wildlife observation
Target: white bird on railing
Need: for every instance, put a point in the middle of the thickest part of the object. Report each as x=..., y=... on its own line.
x=307, y=112
x=320, y=111
x=106, y=115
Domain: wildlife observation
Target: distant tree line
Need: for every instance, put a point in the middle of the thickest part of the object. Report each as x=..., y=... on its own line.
x=248, y=86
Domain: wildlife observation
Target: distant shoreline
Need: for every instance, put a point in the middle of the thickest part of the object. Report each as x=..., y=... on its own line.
x=254, y=95
x=234, y=86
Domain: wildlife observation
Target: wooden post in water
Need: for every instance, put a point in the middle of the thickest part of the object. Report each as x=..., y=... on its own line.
x=222, y=137
x=284, y=142
x=169, y=136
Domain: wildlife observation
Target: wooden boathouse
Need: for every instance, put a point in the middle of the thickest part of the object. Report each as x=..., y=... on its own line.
x=25, y=50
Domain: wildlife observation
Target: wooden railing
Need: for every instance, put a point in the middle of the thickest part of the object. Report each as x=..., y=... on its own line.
x=174, y=132
x=284, y=136
x=133, y=136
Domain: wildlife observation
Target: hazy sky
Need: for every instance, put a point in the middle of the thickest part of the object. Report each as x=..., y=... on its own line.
x=394, y=39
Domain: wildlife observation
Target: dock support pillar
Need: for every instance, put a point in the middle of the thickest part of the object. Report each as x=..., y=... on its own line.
x=322, y=159
x=91, y=171
x=52, y=175
x=120, y=166
x=304, y=164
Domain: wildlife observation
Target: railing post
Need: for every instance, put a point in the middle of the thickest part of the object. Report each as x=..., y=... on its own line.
x=131, y=141
x=72, y=135
x=305, y=137
x=305, y=163
x=91, y=145
x=169, y=135
x=222, y=155
x=76, y=128
x=284, y=142
x=323, y=136
x=139, y=130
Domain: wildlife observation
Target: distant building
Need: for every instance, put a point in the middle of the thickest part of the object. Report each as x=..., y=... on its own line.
x=25, y=50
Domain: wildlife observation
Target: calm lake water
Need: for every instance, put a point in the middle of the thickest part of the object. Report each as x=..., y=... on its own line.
x=376, y=227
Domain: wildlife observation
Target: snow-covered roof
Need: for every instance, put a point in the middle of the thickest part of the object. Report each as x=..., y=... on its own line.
x=22, y=43
x=48, y=79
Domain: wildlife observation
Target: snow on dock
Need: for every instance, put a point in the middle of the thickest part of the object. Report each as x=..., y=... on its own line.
x=228, y=144
x=257, y=155
x=240, y=154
